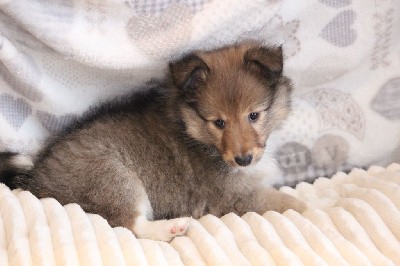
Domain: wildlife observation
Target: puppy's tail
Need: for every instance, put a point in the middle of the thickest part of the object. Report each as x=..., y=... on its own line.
x=14, y=167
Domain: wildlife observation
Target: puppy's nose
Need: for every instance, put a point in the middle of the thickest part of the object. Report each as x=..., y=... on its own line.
x=244, y=160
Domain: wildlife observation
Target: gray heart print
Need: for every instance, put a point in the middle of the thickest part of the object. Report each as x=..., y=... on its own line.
x=15, y=111
x=336, y=3
x=387, y=101
x=338, y=31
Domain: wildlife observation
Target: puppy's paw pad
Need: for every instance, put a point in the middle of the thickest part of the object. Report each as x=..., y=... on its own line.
x=179, y=226
x=178, y=230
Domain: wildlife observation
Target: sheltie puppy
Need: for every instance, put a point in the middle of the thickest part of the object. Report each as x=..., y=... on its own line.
x=155, y=159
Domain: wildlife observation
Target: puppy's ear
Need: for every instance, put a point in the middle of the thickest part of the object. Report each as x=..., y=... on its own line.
x=189, y=73
x=266, y=62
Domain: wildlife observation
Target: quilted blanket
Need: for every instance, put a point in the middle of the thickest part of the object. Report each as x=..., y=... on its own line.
x=353, y=219
x=59, y=57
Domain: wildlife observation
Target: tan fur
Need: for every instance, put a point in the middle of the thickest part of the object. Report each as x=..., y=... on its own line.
x=161, y=155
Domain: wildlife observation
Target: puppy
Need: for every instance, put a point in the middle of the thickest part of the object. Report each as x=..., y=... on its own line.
x=175, y=151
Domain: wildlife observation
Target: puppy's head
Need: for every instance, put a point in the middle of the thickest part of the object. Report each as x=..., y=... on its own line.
x=232, y=98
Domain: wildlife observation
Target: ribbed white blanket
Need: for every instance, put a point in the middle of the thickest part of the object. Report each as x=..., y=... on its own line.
x=353, y=219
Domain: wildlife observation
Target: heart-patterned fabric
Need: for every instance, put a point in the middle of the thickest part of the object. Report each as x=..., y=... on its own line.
x=342, y=55
x=14, y=110
x=339, y=30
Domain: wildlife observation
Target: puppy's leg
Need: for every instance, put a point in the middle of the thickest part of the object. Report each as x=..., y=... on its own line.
x=266, y=199
x=129, y=206
x=134, y=207
x=163, y=230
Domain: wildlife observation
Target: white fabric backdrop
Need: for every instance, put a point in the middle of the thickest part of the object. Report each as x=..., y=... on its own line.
x=58, y=57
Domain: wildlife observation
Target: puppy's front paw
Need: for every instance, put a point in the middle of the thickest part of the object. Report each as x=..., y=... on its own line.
x=163, y=230
x=179, y=226
x=175, y=227
x=290, y=202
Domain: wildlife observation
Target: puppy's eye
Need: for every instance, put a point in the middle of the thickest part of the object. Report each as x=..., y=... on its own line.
x=219, y=123
x=253, y=116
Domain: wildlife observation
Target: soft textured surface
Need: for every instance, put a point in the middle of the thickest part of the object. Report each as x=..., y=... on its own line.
x=58, y=57
x=353, y=219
